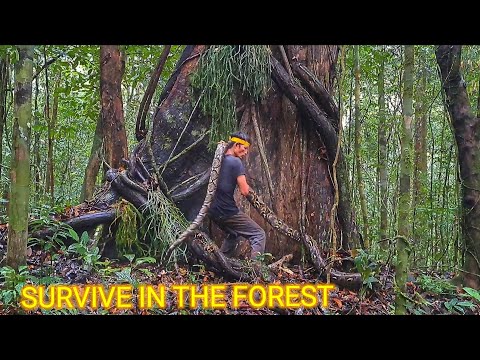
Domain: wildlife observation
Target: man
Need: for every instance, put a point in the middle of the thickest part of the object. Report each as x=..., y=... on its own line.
x=224, y=211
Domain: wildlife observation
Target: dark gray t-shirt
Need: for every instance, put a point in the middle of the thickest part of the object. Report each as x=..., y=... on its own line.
x=223, y=204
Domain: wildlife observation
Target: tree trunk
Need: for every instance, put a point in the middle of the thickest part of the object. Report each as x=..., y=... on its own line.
x=112, y=67
x=467, y=136
x=4, y=82
x=4, y=67
x=358, y=156
x=20, y=169
x=420, y=164
x=278, y=122
x=37, y=173
x=176, y=153
x=52, y=123
x=322, y=149
x=382, y=155
x=140, y=131
x=49, y=185
x=404, y=193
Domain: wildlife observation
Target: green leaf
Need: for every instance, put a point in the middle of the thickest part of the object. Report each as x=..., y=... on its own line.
x=473, y=293
x=73, y=234
x=130, y=257
x=149, y=260
x=18, y=287
x=468, y=304
x=7, y=296
x=85, y=238
x=448, y=306
x=146, y=272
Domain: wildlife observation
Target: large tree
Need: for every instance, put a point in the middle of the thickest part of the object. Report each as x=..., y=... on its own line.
x=295, y=122
x=467, y=136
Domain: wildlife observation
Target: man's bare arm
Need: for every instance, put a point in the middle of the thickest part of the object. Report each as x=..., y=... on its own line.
x=242, y=185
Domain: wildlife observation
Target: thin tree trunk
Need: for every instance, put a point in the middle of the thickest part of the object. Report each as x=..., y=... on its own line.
x=4, y=82
x=382, y=156
x=140, y=131
x=48, y=116
x=4, y=67
x=444, y=245
x=438, y=193
x=419, y=228
x=431, y=192
x=333, y=214
x=349, y=146
x=51, y=133
x=358, y=160
x=478, y=99
x=404, y=193
x=36, y=151
x=112, y=67
x=20, y=169
x=467, y=137
x=93, y=166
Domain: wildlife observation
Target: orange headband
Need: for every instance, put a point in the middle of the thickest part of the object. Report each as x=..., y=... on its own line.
x=240, y=141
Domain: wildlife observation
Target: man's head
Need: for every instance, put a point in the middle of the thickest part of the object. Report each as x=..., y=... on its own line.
x=238, y=144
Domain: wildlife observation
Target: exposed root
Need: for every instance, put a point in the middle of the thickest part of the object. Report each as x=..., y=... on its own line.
x=341, y=279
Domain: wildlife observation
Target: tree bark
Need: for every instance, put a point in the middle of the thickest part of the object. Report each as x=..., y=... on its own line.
x=278, y=121
x=382, y=156
x=20, y=169
x=140, y=131
x=49, y=182
x=4, y=80
x=112, y=67
x=357, y=152
x=37, y=172
x=467, y=136
x=324, y=145
x=419, y=226
x=404, y=193
x=52, y=123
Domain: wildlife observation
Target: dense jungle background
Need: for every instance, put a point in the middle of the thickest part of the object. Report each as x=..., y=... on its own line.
x=365, y=159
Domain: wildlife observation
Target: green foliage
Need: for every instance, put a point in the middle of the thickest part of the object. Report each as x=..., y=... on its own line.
x=140, y=61
x=12, y=284
x=52, y=244
x=436, y=285
x=129, y=221
x=88, y=255
x=136, y=266
x=221, y=69
x=163, y=224
x=125, y=275
x=10, y=51
x=367, y=267
x=436, y=228
x=265, y=257
x=475, y=294
x=456, y=306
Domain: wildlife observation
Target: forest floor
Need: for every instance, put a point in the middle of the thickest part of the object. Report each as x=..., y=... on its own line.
x=428, y=293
